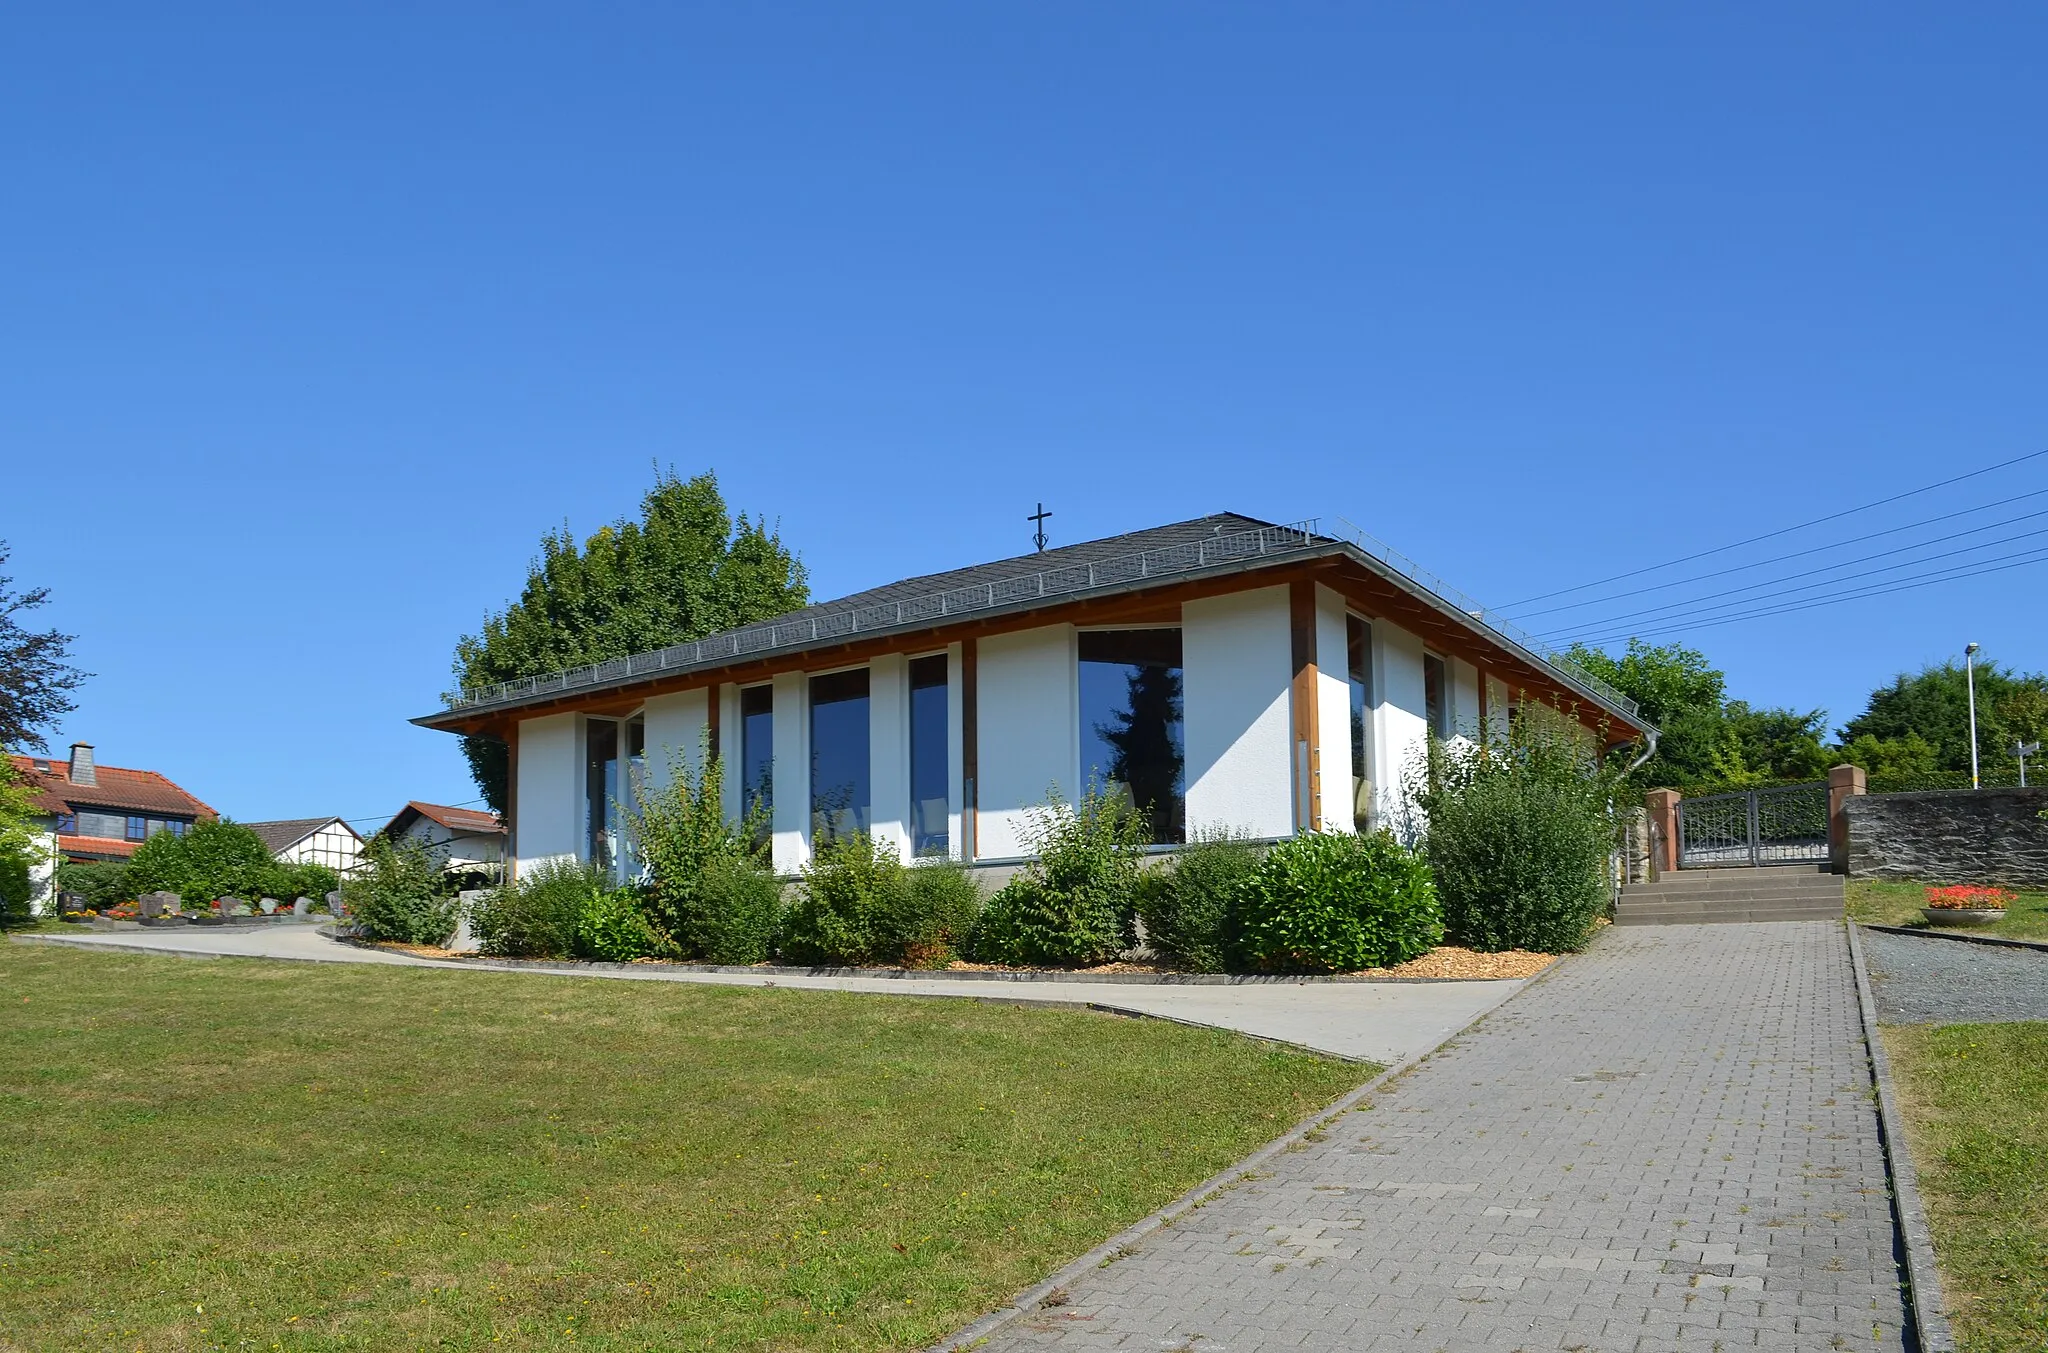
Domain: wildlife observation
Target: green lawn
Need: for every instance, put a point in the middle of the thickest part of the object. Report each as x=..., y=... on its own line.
x=1975, y=1097
x=237, y=1154
x=1881, y=902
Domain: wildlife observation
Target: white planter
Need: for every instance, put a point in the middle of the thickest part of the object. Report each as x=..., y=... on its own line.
x=1963, y=916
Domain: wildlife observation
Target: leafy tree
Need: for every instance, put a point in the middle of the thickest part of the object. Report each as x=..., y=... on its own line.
x=36, y=676
x=1902, y=758
x=1704, y=738
x=685, y=569
x=19, y=845
x=1934, y=704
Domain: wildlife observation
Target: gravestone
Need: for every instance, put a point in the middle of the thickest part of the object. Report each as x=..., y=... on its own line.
x=269, y=905
x=233, y=906
x=335, y=904
x=301, y=906
x=159, y=903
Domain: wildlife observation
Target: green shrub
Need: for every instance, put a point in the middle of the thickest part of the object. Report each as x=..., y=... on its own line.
x=398, y=895
x=614, y=927
x=734, y=912
x=859, y=904
x=682, y=837
x=540, y=914
x=1186, y=905
x=937, y=915
x=17, y=884
x=211, y=860
x=1334, y=902
x=102, y=883
x=1075, y=904
x=1519, y=836
x=849, y=888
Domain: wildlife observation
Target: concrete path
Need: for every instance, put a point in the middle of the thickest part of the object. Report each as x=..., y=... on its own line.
x=1667, y=1143
x=1383, y=1022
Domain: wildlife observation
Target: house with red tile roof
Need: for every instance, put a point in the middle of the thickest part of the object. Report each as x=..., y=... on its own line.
x=97, y=812
x=455, y=838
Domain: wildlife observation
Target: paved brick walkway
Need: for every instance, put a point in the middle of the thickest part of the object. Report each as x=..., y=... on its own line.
x=1667, y=1144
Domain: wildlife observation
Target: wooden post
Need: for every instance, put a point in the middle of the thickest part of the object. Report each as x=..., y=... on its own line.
x=1843, y=783
x=1308, y=753
x=1660, y=806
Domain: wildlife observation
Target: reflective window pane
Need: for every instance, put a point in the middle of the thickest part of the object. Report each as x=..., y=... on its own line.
x=1436, y=695
x=1131, y=723
x=757, y=750
x=1358, y=654
x=839, y=756
x=930, y=782
x=601, y=791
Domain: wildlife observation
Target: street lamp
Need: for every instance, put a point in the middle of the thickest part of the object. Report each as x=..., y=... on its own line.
x=1970, y=677
x=2025, y=750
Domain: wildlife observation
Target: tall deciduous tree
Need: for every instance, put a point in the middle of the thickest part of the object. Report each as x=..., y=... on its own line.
x=36, y=675
x=1704, y=738
x=685, y=569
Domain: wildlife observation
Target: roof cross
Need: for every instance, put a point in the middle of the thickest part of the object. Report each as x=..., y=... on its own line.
x=1038, y=537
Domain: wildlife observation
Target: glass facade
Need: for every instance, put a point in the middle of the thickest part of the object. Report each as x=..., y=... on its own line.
x=930, y=778
x=1436, y=695
x=839, y=756
x=757, y=753
x=1358, y=657
x=1131, y=723
x=601, y=792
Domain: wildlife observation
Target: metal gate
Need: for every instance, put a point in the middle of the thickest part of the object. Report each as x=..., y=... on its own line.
x=1786, y=825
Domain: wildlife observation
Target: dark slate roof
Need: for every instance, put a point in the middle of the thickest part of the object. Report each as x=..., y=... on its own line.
x=1062, y=556
x=285, y=834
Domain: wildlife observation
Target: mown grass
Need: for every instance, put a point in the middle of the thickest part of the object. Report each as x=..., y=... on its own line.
x=1975, y=1098
x=232, y=1153
x=1885, y=902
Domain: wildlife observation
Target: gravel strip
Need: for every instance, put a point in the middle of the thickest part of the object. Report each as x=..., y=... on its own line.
x=1931, y=981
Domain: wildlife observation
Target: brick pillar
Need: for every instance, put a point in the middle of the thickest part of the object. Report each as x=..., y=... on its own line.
x=1661, y=807
x=1843, y=781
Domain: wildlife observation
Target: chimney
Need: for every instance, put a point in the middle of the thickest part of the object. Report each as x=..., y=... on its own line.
x=82, y=772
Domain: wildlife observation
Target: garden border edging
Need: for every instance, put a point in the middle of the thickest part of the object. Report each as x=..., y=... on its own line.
x=1034, y=1298
x=572, y=966
x=1927, y=933
x=1923, y=1278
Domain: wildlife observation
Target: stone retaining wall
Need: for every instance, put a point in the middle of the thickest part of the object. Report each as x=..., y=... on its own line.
x=1951, y=836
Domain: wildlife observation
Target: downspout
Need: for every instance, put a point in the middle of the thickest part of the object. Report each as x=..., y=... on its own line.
x=1649, y=750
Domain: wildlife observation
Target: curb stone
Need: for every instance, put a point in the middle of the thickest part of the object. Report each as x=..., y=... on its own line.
x=1997, y=941
x=1040, y=1294
x=1923, y=1278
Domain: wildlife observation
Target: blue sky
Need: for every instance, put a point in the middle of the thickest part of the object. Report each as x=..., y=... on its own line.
x=318, y=318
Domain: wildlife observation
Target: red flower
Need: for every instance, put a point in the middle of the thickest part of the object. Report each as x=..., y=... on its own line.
x=1966, y=897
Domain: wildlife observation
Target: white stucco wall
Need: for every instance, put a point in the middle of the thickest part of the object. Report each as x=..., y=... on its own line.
x=42, y=873
x=729, y=751
x=1464, y=687
x=792, y=787
x=675, y=732
x=1028, y=729
x=547, y=809
x=889, y=750
x=1333, y=711
x=1496, y=708
x=1400, y=722
x=333, y=845
x=1235, y=675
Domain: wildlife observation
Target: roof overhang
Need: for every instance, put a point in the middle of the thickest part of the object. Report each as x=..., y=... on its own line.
x=1464, y=630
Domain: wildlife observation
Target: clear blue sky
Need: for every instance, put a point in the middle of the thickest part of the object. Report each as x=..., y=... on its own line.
x=315, y=321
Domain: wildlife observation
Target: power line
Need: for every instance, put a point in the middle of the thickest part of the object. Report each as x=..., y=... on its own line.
x=1801, y=554
x=1725, y=600
x=2034, y=557
x=1782, y=531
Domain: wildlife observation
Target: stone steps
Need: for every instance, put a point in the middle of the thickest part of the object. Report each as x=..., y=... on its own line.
x=1709, y=896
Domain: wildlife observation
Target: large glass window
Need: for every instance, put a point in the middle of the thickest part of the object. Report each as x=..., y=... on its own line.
x=1436, y=695
x=1358, y=656
x=757, y=753
x=601, y=791
x=930, y=781
x=839, y=755
x=1131, y=726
